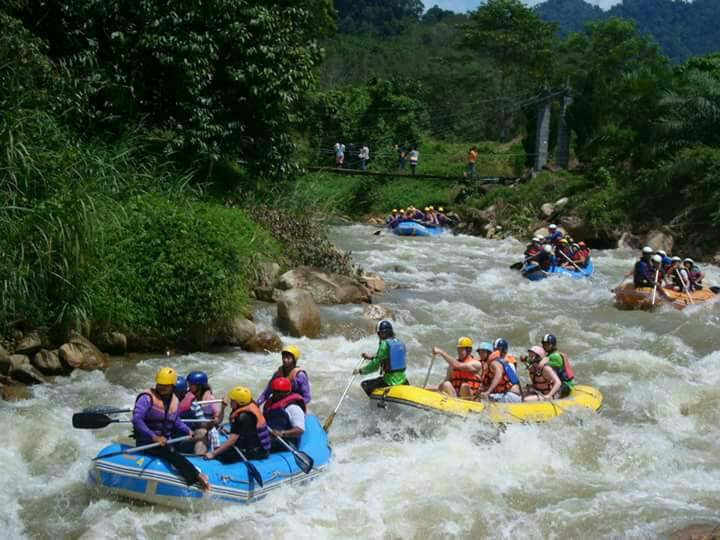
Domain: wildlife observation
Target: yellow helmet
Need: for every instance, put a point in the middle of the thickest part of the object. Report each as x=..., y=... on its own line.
x=441, y=209
x=432, y=208
x=166, y=375
x=427, y=209
x=402, y=210
x=394, y=210
x=464, y=343
x=292, y=349
x=241, y=395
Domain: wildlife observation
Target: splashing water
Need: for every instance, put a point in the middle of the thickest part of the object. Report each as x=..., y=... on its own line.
x=645, y=465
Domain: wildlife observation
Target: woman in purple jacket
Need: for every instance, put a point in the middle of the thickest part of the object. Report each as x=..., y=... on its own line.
x=298, y=377
x=155, y=416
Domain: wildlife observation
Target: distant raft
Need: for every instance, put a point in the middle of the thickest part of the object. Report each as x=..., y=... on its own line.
x=413, y=228
x=533, y=272
x=150, y=479
x=582, y=397
x=629, y=297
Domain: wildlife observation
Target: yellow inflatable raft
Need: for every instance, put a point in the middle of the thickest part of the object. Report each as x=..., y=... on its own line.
x=532, y=411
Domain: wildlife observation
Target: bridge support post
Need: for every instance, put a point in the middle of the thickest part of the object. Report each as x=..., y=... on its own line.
x=542, y=135
x=562, y=152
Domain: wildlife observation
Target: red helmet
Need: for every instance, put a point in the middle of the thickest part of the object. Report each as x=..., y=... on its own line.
x=281, y=384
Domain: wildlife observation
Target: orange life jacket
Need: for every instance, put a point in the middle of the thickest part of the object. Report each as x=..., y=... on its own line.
x=504, y=385
x=509, y=358
x=539, y=381
x=459, y=377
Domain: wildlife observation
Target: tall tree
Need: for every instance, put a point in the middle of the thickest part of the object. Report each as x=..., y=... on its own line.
x=518, y=43
x=215, y=78
x=381, y=17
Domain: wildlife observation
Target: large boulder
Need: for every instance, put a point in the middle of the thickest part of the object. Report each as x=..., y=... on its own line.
x=376, y=312
x=263, y=342
x=79, y=353
x=297, y=314
x=267, y=294
x=4, y=355
x=27, y=374
x=267, y=274
x=628, y=240
x=29, y=344
x=111, y=342
x=576, y=227
x=12, y=362
x=547, y=209
x=561, y=203
x=237, y=332
x=660, y=240
x=49, y=363
x=374, y=283
x=324, y=287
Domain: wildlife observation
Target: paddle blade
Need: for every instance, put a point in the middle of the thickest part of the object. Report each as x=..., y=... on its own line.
x=328, y=422
x=377, y=233
x=254, y=473
x=91, y=421
x=106, y=410
x=303, y=461
x=516, y=266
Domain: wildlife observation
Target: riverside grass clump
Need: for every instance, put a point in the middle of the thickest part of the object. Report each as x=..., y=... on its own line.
x=106, y=235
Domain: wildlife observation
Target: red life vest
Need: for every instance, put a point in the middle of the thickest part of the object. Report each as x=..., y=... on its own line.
x=275, y=413
x=567, y=368
x=459, y=377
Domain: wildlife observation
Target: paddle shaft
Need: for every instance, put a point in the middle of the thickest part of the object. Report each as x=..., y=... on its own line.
x=654, y=292
x=330, y=418
x=303, y=461
x=252, y=470
x=144, y=447
x=685, y=286
x=427, y=375
x=572, y=262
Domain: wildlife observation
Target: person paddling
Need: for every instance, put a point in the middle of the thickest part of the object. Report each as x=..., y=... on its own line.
x=389, y=359
x=248, y=429
x=501, y=380
x=643, y=273
x=560, y=363
x=285, y=413
x=461, y=380
x=544, y=382
x=199, y=390
x=155, y=416
x=298, y=377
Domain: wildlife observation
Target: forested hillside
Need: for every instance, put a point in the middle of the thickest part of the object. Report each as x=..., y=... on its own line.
x=682, y=28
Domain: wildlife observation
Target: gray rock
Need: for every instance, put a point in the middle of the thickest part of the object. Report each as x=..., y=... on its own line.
x=29, y=344
x=628, y=240
x=13, y=361
x=4, y=355
x=49, y=363
x=237, y=332
x=373, y=282
x=111, y=342
x=27, y=374
x=297, y=314
x=547, y=209
x=263, y=342
x=267, y=294
x=267, y=274
x=324, y=287
x=80, y=353
x=376, y=312
x=560, y=203
x=575, y=227
x=660, y=240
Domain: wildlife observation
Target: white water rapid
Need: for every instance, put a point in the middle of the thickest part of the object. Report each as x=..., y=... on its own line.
x=647, y=464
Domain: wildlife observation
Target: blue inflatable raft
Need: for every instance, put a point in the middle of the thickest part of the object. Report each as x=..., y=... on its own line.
x=533, y=272
x=150, y=479
x=414, y=228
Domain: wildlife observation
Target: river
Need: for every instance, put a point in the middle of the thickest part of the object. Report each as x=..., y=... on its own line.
x=645, y=465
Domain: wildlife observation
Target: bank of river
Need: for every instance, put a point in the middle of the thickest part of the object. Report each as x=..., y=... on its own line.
x=646, y=465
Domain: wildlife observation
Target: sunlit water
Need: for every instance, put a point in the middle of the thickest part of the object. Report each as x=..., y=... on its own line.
x=647, y=464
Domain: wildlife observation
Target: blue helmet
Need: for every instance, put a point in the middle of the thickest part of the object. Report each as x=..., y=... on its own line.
x=501, y=344
x=385, y=327
x=181, y=385
x=485, y=346
x=197, y=377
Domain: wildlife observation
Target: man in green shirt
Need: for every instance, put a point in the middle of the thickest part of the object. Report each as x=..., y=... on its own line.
x=389, y=359
x=560, y=364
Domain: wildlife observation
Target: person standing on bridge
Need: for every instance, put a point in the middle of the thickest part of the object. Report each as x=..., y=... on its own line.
x=414, y=157
x=364, y=155
x=401, y=156
x=339, y=154
x=471, y=161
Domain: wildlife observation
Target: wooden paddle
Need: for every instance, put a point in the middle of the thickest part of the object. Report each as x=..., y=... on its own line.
x=144, y=447
x=96, y=420
x=427, y=375
x=575, y=265
x=654, y=291
x=685, y=286
x=302, y=460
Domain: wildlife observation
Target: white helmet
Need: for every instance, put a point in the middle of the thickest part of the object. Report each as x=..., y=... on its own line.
x=689, y=260
x=661, y=252
x=548, y=248
x=676, y=259
x=656, y=259
x=552, y=226
x=647, y=250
